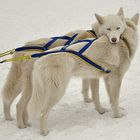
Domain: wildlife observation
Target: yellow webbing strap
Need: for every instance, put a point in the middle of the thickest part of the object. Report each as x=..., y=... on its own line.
x=7, y=53
x=16, y=59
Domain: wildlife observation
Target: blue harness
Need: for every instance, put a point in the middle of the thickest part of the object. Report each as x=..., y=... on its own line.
x=79, y=54
x=66, y=49
x=46, y=46
x=53, y=40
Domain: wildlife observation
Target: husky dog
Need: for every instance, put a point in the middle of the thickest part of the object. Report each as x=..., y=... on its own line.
x=19, y=77
x=52, y=73
x=112, y=26
x=111, y=31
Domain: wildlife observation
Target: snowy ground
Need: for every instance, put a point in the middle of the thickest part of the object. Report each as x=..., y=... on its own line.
x=24, y=20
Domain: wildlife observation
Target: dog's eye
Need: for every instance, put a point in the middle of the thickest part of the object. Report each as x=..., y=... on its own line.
x=109, y=29
x=118, y=28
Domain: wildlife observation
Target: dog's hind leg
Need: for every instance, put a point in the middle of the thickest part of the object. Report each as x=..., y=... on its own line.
x=49, y=80
x=11, y=89
x=113, y=84
x=85, y=90
x=95, y=96
x=21, y=113
x=56, y=93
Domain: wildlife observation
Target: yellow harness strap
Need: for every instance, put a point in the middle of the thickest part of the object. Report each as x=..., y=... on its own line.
x=7, y=53
x=16, y=59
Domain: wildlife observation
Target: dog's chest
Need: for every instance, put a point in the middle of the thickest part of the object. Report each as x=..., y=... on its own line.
x=113, y=57
x=108, y=54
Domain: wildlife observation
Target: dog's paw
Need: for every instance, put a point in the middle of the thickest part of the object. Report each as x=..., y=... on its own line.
x=44, y=132
x=121, y=109
x=119, y=114
x=102, y=110
x=88, y=100
x=27, y=124
x=9, y=119
x=21, y=126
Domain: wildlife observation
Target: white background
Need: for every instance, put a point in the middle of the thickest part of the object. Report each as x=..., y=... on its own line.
x=71, y=119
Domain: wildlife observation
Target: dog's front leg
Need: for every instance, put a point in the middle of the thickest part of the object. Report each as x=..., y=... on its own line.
x=43, y=119
x=95, y=96
x=113, y=85
x=85, y=90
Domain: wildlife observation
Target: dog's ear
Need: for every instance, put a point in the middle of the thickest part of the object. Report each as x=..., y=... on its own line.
x=121, y=13
x=135, y=18
x=99, y=18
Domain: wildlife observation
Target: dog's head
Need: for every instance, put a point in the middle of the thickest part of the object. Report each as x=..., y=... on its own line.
x=112, y=26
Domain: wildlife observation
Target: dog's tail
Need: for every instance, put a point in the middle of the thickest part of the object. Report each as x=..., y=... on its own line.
x=12, y=85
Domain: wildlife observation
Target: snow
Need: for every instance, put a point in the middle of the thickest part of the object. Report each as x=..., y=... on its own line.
x=71, y=118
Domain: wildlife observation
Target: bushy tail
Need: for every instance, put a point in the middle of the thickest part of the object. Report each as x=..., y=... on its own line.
x=12, y=85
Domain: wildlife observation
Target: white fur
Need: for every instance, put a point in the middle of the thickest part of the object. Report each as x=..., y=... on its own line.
x=52, y=73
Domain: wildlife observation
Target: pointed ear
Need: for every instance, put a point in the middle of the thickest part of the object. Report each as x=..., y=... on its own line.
x=121, y=13
x=135, y=18
x=99, y=18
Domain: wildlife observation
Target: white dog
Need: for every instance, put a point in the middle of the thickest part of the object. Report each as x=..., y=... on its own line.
x=112, y=26
x=18, y=79
x=101, y=28
x=52, y=73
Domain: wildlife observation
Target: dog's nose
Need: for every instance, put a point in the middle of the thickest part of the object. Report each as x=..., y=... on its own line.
x=114, y=39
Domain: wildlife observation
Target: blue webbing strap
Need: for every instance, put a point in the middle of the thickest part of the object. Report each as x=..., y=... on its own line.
x=45, y=47
x=70, y=39
x=29, y=48
x=88, y=61
x=89, y=42
x=75, y=53
x=86, y=46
